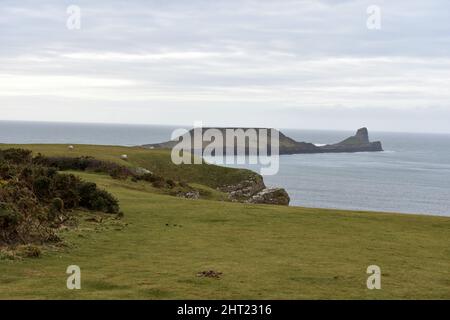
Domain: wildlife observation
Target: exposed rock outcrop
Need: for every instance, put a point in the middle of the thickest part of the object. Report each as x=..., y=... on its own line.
x=255, y=191
x=141, y=171
x=193, y=195
x=245, y=189
x=271, y=196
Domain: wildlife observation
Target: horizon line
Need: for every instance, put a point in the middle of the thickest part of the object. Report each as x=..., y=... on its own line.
x=212, y=126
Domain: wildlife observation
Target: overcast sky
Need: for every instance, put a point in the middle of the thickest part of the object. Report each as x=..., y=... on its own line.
x=284, y=64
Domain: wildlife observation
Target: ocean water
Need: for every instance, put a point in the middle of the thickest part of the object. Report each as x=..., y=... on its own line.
x=82, y=133
x=412, y=175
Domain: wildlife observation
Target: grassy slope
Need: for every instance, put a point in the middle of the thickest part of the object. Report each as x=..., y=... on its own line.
x=158, y=161
x=263, y=252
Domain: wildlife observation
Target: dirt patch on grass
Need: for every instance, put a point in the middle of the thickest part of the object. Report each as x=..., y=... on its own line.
x=210, y=274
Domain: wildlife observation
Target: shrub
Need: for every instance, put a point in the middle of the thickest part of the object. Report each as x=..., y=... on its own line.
x=26, y=174
x=55, y=210
x=6, y=254
x=171, y=184
x=18, y=156
x=84, y=164
x=6, y=171
x=103, y=201
x=65, y=186
x=183, y=184
x=35, y=199
x=93, y=199
x=149, y=177
x=41, y=187
x=57, y=205
x=159, y=183
x=86, y=191
x=30, y=251
x=9, y=221
x=118, y=173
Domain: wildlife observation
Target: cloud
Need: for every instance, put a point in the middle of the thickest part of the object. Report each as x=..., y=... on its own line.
x=211, y=56
x=133, y=57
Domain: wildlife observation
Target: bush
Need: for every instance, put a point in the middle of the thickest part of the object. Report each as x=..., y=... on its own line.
x=57, y=205
x=171, y=184
x=86, y=190
x=149, y=177
x=55, y=210
x=65, y=186
x=6, y=171
x=159, y=183
x=35, y=199
x=118, y=173
x=99, y=200
x=6, y=254
x=103, y=201
x=41, y=187
x=18, y=156
x=9, y=220
x=84, y=164
x=183, y=184
x=30, y=251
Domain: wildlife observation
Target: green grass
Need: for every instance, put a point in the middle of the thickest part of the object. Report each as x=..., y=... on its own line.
x=263, y=251
x=157, y=161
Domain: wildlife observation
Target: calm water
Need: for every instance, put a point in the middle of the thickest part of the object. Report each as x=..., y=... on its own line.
x=411, y=176
x=77, y=133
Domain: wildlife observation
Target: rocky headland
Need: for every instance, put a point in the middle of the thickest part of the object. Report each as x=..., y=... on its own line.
x=253, y=190
x=358, y=143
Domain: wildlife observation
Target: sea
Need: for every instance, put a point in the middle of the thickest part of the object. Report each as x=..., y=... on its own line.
x=411, y=175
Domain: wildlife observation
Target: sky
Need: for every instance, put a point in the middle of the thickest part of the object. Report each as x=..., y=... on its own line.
x=281, y=63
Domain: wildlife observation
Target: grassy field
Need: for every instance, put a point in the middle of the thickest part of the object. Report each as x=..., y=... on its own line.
x=158, y=161
x=263, y=251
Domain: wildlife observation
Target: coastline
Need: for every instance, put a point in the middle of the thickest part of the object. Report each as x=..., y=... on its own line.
x=60, y=150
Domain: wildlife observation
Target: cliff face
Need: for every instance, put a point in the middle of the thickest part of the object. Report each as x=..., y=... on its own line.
x=255, y=191
x=358, y=143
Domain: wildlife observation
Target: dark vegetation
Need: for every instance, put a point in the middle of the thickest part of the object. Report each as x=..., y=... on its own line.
x=85, y=164
x=35, y=199
x=115, y=170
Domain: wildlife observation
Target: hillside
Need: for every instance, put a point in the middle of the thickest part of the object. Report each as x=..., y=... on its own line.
x=158, y=161
x=263, y=251
x=216, y=181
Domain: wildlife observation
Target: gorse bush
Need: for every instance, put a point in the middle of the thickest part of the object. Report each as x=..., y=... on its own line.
x=99, y=200
x=156, y=180
x=35, y=199
x=84, y=164
x=41, y=187
x=115, y=170
x=16, y=155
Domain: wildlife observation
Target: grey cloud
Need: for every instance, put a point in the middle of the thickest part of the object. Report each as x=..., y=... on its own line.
x=217, y=56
